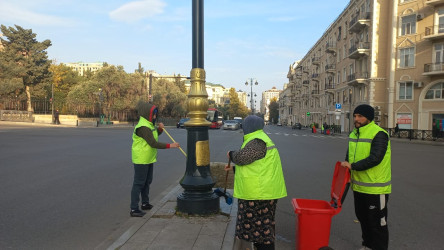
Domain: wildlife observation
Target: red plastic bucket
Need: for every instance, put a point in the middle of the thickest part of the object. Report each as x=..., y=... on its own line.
x=313, y=220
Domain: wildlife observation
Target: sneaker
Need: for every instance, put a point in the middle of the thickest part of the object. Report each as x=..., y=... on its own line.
x=146, y=206
x=137, y=213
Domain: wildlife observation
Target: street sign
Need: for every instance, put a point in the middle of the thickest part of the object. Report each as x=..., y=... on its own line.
x=338, y=106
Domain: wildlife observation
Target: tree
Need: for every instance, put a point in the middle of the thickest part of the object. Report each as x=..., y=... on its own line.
x=23, y=57
x=63, y=79
x=235, y=107
x=274, y=110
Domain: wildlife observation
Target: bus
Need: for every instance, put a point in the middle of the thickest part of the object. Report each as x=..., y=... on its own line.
x=215, y=117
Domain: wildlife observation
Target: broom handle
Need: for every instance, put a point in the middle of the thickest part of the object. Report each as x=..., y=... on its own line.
x=166, y=132
x=226, y=177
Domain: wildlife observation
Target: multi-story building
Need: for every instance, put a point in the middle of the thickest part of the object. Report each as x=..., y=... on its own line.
x=265, y=102
x=388, y=54
x=242, y=97
x=81, y=67
x=286, y=106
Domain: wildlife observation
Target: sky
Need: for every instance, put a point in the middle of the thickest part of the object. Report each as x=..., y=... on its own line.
x=243, y=39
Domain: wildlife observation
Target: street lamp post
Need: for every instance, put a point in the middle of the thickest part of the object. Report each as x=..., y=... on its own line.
x=251, y=94
x=198, y=196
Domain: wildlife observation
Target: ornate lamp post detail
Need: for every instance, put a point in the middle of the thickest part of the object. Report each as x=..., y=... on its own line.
x=198, y=196
x=251, y=94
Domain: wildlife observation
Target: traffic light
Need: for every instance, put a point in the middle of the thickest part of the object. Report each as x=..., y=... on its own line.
x=378, y=113
x=308, y=113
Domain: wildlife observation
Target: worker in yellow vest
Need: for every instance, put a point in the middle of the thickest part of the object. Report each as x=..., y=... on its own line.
x=369, y=159
x=144, y=154
x=258, y=184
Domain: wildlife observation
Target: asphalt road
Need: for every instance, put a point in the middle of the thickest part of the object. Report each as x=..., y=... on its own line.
x=69, y=187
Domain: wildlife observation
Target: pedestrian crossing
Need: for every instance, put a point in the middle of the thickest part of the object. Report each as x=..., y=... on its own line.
x=309, y=135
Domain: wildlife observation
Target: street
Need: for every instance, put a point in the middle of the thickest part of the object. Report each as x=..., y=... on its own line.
x=69, y=187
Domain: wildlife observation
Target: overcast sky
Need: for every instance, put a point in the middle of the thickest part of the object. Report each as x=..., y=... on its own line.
x=243, y=38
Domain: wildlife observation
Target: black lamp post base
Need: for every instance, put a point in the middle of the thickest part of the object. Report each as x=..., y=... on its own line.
x=198, y=202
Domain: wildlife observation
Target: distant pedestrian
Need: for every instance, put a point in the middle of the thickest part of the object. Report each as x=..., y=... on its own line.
x=396, y=129
x=369, y=160
x=144, y=154
x=56, y=117
x=258, y=184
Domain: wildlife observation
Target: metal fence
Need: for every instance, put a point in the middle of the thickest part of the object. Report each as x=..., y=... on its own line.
x=416, y=134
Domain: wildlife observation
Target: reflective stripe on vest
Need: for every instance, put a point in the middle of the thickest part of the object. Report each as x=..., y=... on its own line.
x=141, y=151
x=377, y=179
x=262, y=179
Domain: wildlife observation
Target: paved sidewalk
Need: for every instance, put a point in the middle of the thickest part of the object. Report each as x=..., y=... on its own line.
x=162, y=229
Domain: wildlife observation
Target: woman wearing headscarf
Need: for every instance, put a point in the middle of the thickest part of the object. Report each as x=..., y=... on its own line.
x=258, y=184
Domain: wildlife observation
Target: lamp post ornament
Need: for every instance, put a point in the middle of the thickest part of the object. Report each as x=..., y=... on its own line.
x=251, y=94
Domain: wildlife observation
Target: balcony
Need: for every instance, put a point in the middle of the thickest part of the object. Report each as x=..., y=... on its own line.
x=433, y=69
x=305, y=69
x=316, y=60
x=315, y=77
x=329, y=87
x=299, y=75
x=359, y=21
x=434, y=2
x=306, y=82
x=330, y=47
x=357, y=78
x=315, y=92
x=434, y=32
x=330, y=68
x=305, y=96
x=359, y=50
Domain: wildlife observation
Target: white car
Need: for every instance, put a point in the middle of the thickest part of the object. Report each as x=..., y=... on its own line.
x=231, y=124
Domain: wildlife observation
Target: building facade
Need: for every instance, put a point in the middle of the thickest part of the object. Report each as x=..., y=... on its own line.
x=388, y=54
x=81, y=67
x=265, y=101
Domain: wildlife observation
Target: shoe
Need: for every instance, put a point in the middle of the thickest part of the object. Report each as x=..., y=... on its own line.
x=137, y=213
x=146, y=206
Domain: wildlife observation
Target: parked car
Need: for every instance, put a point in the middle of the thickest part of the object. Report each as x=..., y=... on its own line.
x=239, y=120
x=279, y=124
x=297, y=125
x=231, y=124
x=181, y=122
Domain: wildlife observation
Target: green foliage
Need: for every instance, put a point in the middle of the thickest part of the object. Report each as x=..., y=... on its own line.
x=23, y=57
x=235, y=108
x=169, y=98
x=273, y=108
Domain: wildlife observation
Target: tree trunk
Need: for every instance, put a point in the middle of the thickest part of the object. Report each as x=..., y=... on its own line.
x=28, y=99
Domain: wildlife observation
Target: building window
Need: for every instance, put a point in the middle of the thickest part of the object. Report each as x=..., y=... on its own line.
x=405, y=90
x=436, y=92
x=344, y=74
x=404, y=1
x=408, y=25
x=407, y=57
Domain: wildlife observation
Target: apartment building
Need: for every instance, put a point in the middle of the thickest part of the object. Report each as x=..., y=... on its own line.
x=266, y=99
x=285, y=107
x=81, y=67
x=388, y=54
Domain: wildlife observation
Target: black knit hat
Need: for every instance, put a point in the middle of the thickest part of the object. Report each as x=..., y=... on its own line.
x=365, y=110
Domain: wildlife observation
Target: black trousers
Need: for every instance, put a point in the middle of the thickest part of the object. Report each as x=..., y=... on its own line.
x=143, y=176
x=371, y=211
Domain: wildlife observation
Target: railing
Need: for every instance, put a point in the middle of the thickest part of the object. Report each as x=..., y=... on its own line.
x=315, y=60
x=305, y=95
x=305, y=69
x=306, y=82
x=315, y=76
x=357, y=75
x=329, y=86
x=416, y=134
x=434, y=30
x=315, y=92
x=330, y=45
x=330, y=67
x=433, y=67
x=360, y=45
x=359, y=16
